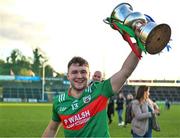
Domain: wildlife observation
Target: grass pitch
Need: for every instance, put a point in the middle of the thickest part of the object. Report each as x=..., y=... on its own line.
x=30, y=120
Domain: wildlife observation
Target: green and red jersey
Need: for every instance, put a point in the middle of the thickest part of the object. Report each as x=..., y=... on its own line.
x=87, y=115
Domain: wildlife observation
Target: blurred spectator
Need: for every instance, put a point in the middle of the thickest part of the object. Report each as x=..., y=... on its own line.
x=167, y=104
x=119, y=107
x=129, y=98
x=97, y=76
x=110, y=109
x=143, y=109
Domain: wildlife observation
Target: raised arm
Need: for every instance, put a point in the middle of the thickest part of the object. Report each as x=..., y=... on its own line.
x=118, y=79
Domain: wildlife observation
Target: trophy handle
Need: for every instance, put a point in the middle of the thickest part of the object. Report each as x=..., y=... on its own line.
x=106, y=21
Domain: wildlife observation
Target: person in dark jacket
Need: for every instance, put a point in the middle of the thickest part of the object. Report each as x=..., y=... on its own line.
x=110, y=109
x=129, y=98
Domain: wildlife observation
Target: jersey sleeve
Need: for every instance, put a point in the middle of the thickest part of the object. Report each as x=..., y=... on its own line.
x=107, y=88
x=55, y=116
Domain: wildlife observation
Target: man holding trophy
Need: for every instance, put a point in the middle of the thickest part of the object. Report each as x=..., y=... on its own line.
x=82, y=109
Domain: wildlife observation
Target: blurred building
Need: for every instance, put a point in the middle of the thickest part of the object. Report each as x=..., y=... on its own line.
x=29, y=89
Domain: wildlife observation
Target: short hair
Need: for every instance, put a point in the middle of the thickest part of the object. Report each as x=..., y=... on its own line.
x=140, y=92
x=78, y=60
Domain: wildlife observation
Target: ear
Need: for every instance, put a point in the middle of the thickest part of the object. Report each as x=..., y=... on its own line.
x=89, y=74
x=68, y=76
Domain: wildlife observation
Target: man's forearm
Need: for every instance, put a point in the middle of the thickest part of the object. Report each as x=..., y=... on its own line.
x=118, y=79
x=49, y=134
x=130, y=64
x=51, y=129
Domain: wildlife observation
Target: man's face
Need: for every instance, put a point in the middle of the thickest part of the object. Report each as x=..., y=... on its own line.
x=97, y=76
x=78, y=76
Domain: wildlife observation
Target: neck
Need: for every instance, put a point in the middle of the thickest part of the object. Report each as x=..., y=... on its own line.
x=74, y=93
x=141, y=101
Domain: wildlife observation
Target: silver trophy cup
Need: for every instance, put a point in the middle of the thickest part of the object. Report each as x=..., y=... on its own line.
x=154, y=37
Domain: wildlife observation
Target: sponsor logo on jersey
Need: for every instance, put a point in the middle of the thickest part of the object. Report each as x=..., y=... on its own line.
x=77, y=119
x=87, y=99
